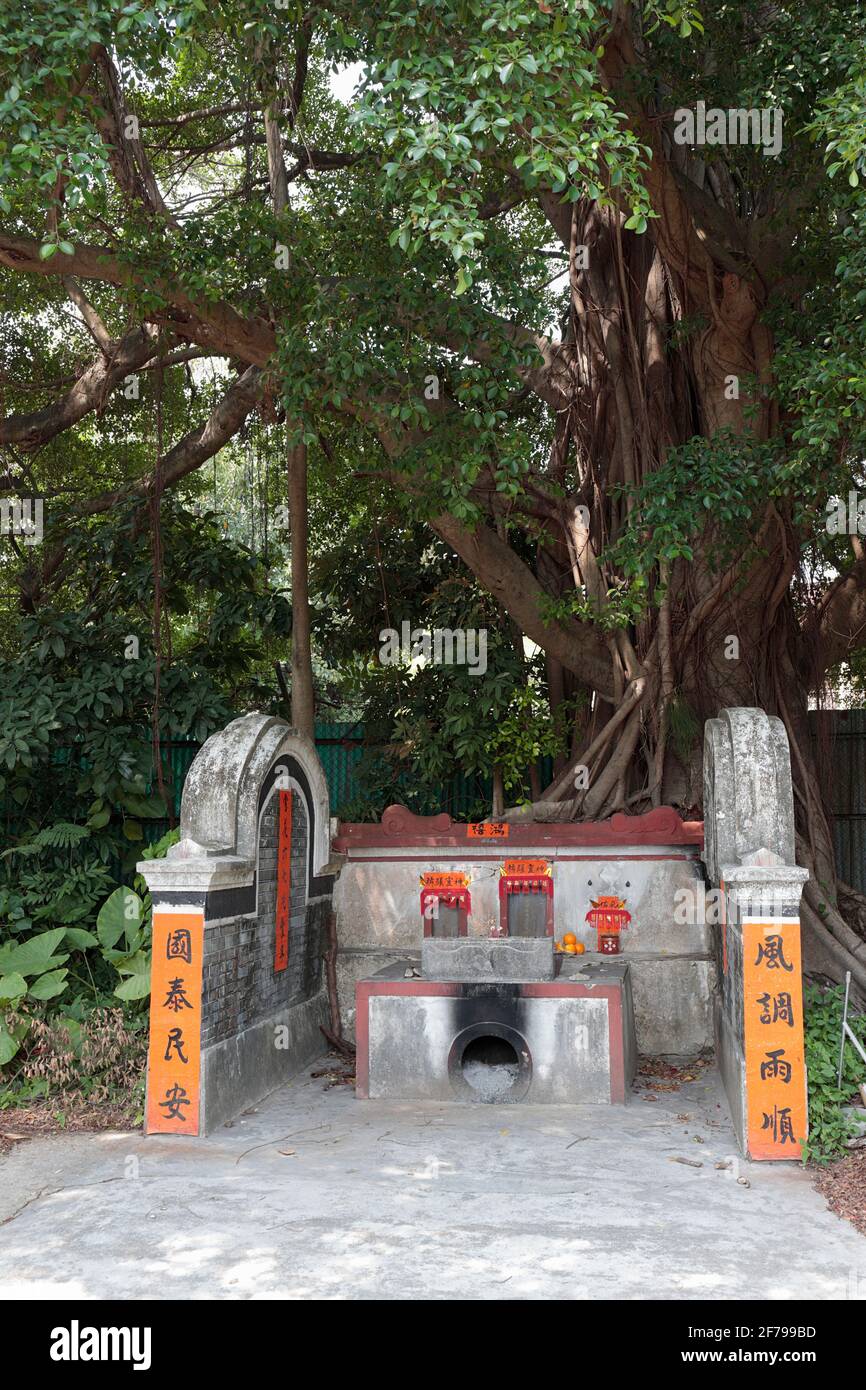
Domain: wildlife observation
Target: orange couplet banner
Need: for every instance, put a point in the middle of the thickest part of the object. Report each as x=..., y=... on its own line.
x=773, y=1032
x=174, y=1051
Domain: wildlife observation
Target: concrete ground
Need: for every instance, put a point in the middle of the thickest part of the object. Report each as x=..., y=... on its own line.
x=317, y=1195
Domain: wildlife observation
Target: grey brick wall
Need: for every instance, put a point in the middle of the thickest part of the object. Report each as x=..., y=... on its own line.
x=240, y=986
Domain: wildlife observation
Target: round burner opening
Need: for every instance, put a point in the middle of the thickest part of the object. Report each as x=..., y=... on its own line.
x=490, y=1062
x=491, y=1066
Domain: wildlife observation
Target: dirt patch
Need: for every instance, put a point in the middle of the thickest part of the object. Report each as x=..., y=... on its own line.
x=658, y=1074
x=35, y=1121
x=843, y=1185
x=340, y=1071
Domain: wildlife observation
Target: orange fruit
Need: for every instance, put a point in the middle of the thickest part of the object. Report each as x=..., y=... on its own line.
x=571, y=948
x=579, y=948
x=569, y=939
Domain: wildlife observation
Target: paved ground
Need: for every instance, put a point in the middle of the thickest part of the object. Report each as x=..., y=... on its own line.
x=317, y=1195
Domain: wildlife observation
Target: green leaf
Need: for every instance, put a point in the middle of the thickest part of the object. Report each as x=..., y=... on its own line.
x=8, y=1045
x=12, y=986
x=123, y=909
x=50, y=985
x=35, y=955
x=135, y=987
x=80, y=939
x=152, y=807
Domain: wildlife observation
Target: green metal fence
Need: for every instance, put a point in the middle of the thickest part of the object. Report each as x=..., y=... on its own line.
x=840, y=736
x=341, y=749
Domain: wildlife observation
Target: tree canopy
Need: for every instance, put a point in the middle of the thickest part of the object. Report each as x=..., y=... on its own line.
x=553, y=371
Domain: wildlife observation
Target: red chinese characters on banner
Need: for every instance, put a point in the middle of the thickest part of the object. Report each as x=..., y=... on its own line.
x=284, y=881
x=174, y=1048
x=526, y=876
x=773, y=1037
x=446, y=890
x=488, y=830
x=532, y=868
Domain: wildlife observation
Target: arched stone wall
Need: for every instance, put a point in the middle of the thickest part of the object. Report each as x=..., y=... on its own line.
x=258, y=1017
x=749, y=852
x=748, y=795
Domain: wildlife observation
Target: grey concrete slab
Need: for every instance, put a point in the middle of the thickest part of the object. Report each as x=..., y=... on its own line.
x=317, y=1195
x=487, y=958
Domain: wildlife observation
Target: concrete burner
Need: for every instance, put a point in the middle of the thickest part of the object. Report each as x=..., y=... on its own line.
x=565, y=1040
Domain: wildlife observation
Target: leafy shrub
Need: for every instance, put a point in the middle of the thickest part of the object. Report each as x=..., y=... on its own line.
x=82, y=1056
x=829, y=1127
x=35, y=970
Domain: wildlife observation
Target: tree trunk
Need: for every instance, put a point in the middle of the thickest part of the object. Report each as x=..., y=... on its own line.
x=303, y=698
x=715, y=634
x=498, y=794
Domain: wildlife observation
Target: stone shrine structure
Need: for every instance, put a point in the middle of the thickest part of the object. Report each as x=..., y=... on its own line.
x=447, y=972
x=645, y=860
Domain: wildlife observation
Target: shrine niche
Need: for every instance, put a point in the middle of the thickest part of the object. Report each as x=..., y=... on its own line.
x=608, y=917
x=445, y=904
x=526, y=898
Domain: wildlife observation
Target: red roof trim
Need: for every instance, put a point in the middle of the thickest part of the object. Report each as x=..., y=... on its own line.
x=400, y=829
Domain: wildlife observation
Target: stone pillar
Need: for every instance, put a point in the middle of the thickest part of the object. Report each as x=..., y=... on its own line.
x=749, y=856
x=240, y=907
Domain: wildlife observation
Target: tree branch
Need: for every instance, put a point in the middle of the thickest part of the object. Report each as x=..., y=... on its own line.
x=838, y=623
x=131, y=165
x=31, y=431
x=195, y=448
x=92, y=320
x=217, y=327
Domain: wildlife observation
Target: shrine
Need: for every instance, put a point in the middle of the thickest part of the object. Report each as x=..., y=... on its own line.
x=493, y=963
